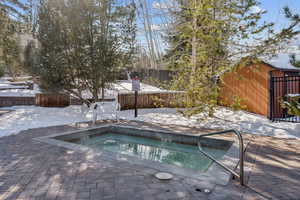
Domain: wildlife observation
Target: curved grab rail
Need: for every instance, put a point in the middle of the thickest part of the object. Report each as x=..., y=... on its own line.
x=241, y=153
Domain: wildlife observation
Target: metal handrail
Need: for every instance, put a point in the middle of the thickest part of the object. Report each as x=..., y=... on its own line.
x=241, y=154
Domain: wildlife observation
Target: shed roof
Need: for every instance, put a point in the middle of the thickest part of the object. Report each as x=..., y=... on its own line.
x=282, y=63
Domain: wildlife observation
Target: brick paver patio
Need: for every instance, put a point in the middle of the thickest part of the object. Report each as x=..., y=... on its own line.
x=31, y=170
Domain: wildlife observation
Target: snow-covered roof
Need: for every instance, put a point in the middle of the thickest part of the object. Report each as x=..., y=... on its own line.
x=282, y=61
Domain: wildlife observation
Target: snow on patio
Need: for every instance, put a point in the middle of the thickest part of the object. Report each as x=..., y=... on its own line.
x=28, y=117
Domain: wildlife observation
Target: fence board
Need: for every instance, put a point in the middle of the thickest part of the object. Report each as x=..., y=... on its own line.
x=52, y=100
x=151, y=100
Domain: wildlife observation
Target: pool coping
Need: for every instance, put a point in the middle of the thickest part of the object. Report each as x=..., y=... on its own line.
x=214, y=174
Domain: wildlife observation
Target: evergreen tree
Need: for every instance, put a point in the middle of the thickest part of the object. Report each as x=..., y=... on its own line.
x=294, y=61
x=9, y=45
x=210, y=37
x=13, y=15
x=13, y=8
x=293, y=105
x=82, y=45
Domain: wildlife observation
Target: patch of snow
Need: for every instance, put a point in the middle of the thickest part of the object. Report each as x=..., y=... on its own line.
x=293, y=118
x=10, y=86
x=28, y=117
x=226, y=119
x=18, y=93
x=293, y=95
x=123, y=86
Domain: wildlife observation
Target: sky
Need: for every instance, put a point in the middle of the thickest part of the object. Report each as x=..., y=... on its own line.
x=274, y=10
x=274, y=14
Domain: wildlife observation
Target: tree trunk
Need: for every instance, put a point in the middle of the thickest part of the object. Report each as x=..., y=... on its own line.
x=194, y=46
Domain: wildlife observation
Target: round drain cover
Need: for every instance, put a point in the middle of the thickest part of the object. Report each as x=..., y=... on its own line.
x=163, y=176
x=206, y=191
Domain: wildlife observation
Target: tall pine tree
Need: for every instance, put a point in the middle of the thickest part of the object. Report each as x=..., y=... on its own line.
x=13, y=20
x=83, y=44
x=210, y=37
x=9, y=44
x=13, y=8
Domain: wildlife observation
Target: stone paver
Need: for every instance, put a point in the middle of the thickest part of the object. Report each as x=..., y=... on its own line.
x=33, y=170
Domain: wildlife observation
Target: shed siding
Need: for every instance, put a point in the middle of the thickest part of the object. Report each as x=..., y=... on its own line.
x=250, y=84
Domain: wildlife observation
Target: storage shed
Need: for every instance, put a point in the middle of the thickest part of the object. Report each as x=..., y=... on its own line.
x=260, y=86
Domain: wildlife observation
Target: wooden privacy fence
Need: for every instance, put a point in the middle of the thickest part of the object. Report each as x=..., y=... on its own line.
x=151, y=100
x=43, y=100
x=16, y=101
x=52, y=100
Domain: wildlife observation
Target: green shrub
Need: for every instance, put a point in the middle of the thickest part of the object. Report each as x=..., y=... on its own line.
x=237, y=104
x=293, y=105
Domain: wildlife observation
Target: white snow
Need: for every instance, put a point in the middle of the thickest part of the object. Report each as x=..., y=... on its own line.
x=9, y=86
x=27, y=117
x=293, y=95
x=13, y=88
x=123, y=86
x=18, y=92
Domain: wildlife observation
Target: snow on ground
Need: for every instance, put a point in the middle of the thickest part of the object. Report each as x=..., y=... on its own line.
x=18, y=92
x=10, y=86
x=27, y=117
x=226, y=119
x=124, y=86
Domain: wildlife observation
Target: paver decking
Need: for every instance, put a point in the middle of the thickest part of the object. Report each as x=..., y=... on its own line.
x=33, y=170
